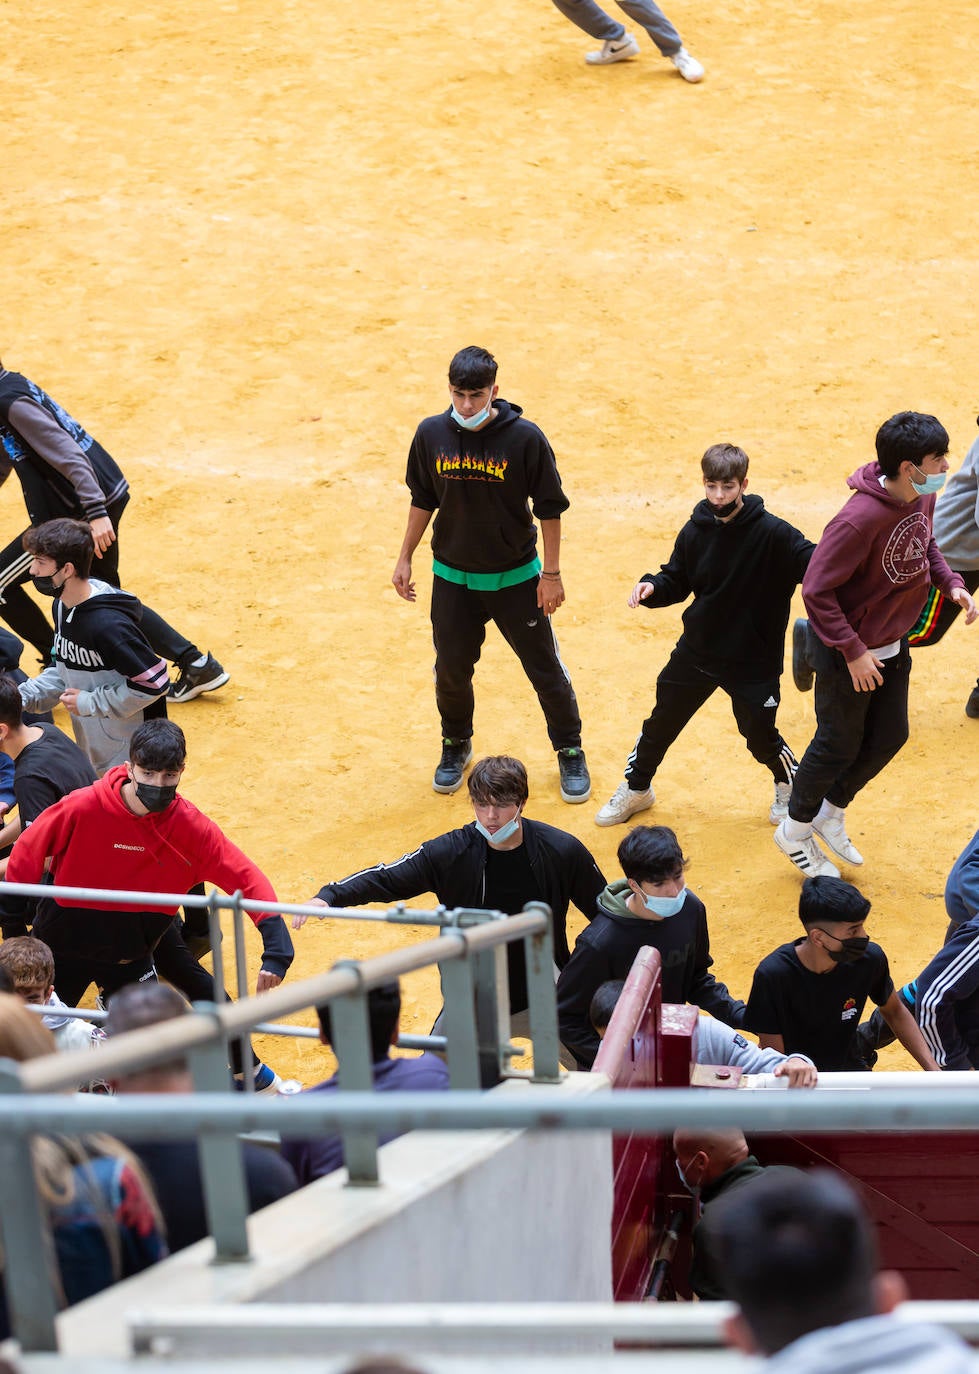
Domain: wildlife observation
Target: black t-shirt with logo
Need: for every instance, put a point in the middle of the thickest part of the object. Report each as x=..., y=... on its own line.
x=816, y=1013
x=510, y=884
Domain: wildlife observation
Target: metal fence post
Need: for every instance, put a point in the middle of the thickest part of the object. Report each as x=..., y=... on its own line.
x=542, y=998
x=459, y=1021
x=222, y=1166
x=492, y=1012
x=241, y=982
x=29, y=1279
x=351, y=1039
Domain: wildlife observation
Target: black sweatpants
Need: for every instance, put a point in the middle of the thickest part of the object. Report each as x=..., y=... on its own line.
x=681, y=689
x=857, y=733
x=175, y=963
x=26, y=618
x=459, y=619
x=75, y=973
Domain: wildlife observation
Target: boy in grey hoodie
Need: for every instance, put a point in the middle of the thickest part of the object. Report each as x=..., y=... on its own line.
x=650, y=905
x=105, y=674
x=799, y=1259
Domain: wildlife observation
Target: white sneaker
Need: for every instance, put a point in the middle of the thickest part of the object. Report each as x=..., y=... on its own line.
x=806, y=855
x=688, y=67
x=833, y=832
x=614, y=50
x=624, y=803
x=779, y=809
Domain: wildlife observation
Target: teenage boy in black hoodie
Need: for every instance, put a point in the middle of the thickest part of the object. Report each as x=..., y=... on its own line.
x=742, y=565
x=481, y=465
x=650, y=905
x=105, y=674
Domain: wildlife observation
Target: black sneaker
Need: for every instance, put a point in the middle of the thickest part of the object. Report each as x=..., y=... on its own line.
x=972, y=705
x=575, y=778
x=802, y=670
x=192, y=680
x=456, y=753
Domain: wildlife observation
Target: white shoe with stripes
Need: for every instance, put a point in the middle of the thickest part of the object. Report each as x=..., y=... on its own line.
x=832, y=831
x=806, y=854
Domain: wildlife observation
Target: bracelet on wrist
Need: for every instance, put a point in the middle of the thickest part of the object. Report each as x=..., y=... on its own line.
x=551, y=574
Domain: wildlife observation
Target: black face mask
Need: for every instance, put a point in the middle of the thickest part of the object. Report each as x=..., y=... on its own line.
x=722, y=512
x=46, y=585
x=154, y=798
x=850, y=950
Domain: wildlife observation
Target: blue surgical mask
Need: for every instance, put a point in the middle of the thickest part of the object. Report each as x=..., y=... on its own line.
x=473, y=421
x=503, y=834
x=692, y=1188
x=930, y=483
x=665, y=906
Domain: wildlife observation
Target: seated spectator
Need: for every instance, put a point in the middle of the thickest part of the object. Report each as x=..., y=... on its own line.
x=103, y=1215
x=799, y=1259
x=313, y=1158
x=174, y=1165
x=650, y=905
x=716, y=1043
x=808, y=996
x=712, y=1164
x=30, y=966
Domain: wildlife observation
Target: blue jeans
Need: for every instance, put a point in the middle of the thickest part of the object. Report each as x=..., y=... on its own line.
x=597, y=24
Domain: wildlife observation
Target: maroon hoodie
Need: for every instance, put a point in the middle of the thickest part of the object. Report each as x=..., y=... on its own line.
x=869, y=577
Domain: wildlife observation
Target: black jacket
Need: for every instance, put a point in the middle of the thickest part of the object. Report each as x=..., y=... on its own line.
x=742, y=575
x=606, y=950
x=483, y=483
x=453, y=866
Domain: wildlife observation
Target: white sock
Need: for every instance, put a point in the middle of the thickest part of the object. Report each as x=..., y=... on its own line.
x=797, y=830
x=829, y=812
x=199, y=662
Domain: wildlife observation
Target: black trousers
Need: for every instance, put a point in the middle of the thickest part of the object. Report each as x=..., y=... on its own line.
x=26, y=618
x=459, y=620
x=175, y=963
x=681, y=689
x=857, y=733
x=74, y=974
x=939, y=614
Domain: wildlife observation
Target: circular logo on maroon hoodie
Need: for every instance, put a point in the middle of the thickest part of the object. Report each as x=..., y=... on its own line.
x=906, y=552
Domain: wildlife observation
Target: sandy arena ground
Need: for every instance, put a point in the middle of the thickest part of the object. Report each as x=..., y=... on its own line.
x=240, y=243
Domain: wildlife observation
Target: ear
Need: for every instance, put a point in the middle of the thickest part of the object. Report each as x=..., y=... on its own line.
x=744, y=484
x=737, y=1334
x=889, y=1291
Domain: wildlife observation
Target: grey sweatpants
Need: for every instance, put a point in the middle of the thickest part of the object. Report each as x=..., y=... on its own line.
x=597, y=24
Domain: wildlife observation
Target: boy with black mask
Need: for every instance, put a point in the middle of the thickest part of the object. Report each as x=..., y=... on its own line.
x=808, y=996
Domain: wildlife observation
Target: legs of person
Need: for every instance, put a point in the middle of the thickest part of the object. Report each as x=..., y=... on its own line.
x=841, y=714
x=681, y=690
x=530, y=634
x=112, y=977
x=592, y=19
x=23, y=615
x=458, y=631
x=885, y=731
x=175, y=963
x=73, y=975
x=654, y=21
x=755, y=706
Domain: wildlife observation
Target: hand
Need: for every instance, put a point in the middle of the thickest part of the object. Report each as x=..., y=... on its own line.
x=299, y=921
x=103, y=534
x=798, y=1072
x=962, y=598
x=266, y=981
x=401, y=578
x=4, y=808
x=550, y=594
x=69, y=699
x=642, y=591
x=865, y=672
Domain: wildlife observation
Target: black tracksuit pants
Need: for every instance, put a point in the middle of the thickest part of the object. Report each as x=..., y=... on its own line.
x=459, y=619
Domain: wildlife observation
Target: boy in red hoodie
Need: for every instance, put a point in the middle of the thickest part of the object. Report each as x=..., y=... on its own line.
x=130, y=831
x=864, y=590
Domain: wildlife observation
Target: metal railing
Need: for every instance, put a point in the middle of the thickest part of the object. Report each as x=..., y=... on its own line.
x=470, y=953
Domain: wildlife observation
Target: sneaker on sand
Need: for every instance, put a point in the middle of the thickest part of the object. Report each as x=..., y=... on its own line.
x=779, y=809
x=688, y=67
x=267, y=1081
x=623, y=803
x=972, y=705
x=833, y=833
x=807, y=856
x=575, y=778
x=613, y=50
x=802, y=670
x=456, y=753
x=197, y=678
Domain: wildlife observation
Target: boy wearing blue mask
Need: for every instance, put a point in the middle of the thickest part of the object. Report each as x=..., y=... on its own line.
x=864, y=589
x=808, y=996
x=487, y=472
x=650, y=905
